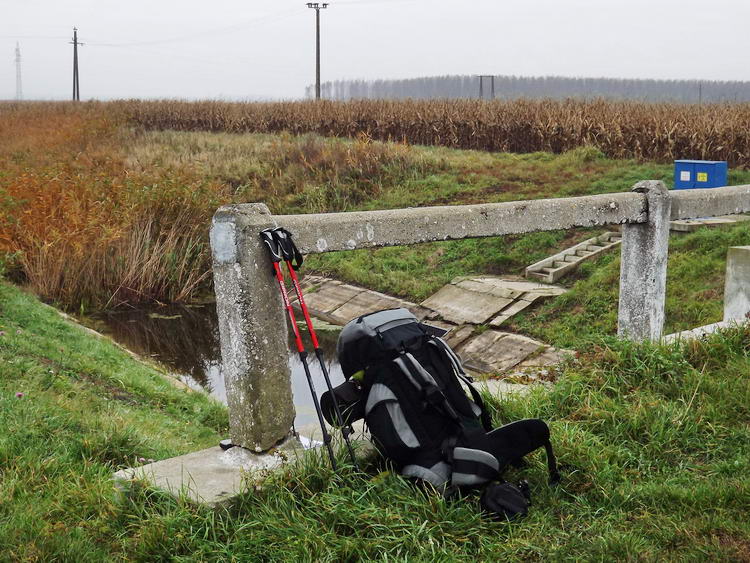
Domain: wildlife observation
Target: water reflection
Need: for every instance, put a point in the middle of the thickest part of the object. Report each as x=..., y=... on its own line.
x=186, y=340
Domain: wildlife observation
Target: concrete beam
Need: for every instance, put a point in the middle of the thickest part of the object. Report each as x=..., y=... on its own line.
x=710, y=202
x=737, y=287
x=643, y=271
x=252, y=329
x=328, y=232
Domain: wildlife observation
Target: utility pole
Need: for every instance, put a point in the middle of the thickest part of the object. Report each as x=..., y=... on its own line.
x=481, y=84
x=19, y=88
x=317, y=7
x=76, y=85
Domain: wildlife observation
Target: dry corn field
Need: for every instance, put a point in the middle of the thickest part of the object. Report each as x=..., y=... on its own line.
x=656, y=132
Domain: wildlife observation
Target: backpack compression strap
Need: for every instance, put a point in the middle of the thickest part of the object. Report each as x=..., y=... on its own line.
x=423, y=381
x=458, y=369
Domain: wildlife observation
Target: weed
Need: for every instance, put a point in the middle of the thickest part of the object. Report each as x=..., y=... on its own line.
x=654, y=441
x=84, y=231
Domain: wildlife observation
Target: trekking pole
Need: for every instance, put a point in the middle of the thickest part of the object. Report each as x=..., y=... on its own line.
x=293, y=258
x=273, y=249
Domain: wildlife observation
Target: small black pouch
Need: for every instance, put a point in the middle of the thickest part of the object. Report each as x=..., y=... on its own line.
x=506, y=501
x=348, y=395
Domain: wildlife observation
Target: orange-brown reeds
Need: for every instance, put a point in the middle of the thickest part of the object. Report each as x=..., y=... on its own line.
x=83, y=230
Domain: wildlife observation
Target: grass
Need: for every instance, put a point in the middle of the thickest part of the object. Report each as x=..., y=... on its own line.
x=408, y=177
x=655, y=440
x=87, y=408
x=93, y=214
x=695, y=291
x=97, y=214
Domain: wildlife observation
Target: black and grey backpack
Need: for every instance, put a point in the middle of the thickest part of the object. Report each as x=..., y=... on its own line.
x=411, y=389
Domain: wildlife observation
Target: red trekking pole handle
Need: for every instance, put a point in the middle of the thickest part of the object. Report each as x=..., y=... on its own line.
x=276, y=257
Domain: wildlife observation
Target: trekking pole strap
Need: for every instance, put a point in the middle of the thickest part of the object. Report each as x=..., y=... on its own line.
x=274, y=250
x=289, y=251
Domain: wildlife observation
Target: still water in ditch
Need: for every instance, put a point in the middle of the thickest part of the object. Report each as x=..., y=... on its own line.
x=186, y=340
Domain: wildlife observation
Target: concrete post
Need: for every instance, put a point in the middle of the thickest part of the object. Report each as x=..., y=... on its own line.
x=643, y=272
x=252, y=329
x=737, y=288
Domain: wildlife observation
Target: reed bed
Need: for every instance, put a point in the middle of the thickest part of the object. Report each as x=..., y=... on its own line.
x=82, y=229
x=95, y=215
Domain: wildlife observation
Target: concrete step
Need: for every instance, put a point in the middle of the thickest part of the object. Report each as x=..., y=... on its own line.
x=537, y=275
x=555, y=267
x=690, y=225
x=499, y=353
x=338, y=303
x=476, y=300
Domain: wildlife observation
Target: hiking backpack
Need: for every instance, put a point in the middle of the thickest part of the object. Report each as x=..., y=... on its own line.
x=409, y=386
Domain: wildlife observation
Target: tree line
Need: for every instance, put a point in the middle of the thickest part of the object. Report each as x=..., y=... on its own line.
x=540, y=87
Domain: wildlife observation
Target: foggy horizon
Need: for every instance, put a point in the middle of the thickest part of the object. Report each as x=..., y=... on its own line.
x=265, y=51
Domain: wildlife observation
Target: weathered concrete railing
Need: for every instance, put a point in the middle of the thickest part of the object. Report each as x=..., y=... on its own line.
x=252, y=324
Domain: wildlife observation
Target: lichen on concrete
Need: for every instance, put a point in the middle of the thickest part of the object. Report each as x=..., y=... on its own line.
x=737, y=285
x=252, y=329
x=643, y=270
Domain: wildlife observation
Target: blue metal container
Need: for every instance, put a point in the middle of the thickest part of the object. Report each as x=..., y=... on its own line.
x=690, y=174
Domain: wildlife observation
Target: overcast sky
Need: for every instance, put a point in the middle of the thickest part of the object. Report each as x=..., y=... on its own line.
x=246, y=49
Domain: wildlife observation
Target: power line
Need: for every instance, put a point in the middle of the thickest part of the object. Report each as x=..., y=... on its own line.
x=193, y=36
x=19, y=87
x=32, y=37
x=317, y=7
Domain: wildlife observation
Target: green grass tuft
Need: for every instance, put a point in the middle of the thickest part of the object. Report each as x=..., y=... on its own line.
x=654, y=440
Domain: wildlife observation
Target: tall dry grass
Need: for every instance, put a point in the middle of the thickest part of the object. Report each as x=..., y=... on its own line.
x=95, y=215
x=85, y=231
x=649, y=131
x=291, y=174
